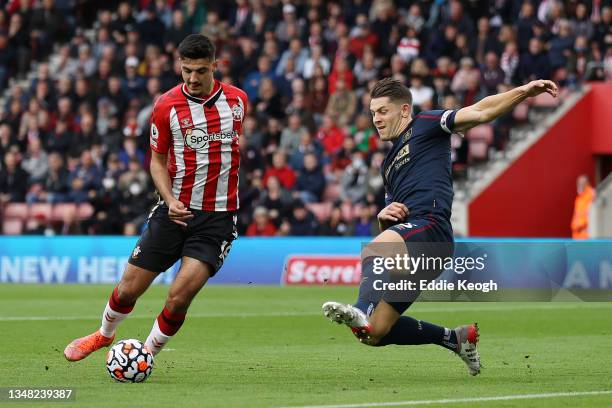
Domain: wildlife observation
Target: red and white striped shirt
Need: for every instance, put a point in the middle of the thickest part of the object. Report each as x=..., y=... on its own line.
x=200, y=137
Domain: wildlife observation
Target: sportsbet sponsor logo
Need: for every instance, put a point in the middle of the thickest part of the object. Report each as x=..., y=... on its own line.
x=198, y=138
x=322, y=269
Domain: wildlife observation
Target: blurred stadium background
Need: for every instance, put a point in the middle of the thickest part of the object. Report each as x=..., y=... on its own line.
x=79, y=78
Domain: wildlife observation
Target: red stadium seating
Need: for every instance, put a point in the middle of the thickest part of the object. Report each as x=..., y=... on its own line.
x=85, y=211
x=482, y=133
x=347, y=212
x=16, y=210
x=64, y=211
x=320, y=210
x=545, y=101
x=12, y=226
x=478, y=151
x=520, y=112
x=41, y=210
x=332, y=192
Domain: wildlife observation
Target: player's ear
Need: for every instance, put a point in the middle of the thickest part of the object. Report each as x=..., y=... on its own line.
x=406, y=110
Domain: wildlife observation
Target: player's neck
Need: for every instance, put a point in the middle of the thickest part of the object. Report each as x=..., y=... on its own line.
x=201, y=95
x=402, y=126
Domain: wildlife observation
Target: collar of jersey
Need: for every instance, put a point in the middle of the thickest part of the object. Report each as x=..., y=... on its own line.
x=210, y=100
x=402, y=133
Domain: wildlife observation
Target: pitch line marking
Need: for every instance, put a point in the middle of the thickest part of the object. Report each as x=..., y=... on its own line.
x=462, y=400
x=416, y=311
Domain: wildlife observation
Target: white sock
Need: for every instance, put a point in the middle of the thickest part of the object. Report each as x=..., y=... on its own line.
x=157, y=339
x=110, y=321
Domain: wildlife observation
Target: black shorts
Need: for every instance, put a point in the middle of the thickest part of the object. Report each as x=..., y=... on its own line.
x=426, y=237
x=208, y=237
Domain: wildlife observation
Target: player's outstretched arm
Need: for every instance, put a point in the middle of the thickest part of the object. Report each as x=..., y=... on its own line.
x=495, y=106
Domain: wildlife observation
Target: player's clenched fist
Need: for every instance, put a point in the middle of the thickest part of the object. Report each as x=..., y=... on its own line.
x=178, y=213
x=394, y=212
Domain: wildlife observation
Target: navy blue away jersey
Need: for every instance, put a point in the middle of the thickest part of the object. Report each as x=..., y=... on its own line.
x=417, y=170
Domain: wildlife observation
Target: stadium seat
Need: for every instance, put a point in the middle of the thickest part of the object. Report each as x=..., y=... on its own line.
x=85, y=211
x=16, y=210
x=320, y=210
x=12, y=226
x=482, y=133
x=332, y=192
x=64, y=211
x=544, y=101
x=563, y=93
x=478, y=151
x=520, y=112
x=41, y=210
x=347, y=211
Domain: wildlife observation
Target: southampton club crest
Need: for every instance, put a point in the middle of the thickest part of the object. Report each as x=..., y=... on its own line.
x=237, y=113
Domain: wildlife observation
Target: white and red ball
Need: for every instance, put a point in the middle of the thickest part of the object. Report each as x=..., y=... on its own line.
x=129, y=361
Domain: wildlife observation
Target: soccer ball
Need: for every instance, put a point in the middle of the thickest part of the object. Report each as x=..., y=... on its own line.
x=129, y=361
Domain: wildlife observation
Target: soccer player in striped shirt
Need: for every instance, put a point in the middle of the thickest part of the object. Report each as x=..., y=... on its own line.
x=195, y=158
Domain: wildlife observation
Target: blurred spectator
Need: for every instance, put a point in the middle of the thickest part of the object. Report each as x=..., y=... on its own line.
x=421, y=93
x=363, y=132
x=342, y=104
x=253, y=79
x=134, y=186
x=330, y=135
x=35, y=161
x=335, y=226
x=307, y=145
x=261, y=225
x=492, y=74
x=85, y=179
x=281, y=170
x=363, y=225
x=302, y=222
x=55, y=187
x=375, y=191
x=268, y=103
x=311, y=181
x=292, y=134
x=316, y=59
x=535, y=63
x=582, y=206
x=13, y=180
x=295, y=52
x=354, y=180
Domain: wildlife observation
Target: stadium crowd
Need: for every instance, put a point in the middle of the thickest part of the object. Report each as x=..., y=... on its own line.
x=78, y=131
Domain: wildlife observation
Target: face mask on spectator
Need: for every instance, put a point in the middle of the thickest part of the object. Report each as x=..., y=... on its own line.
x=108, y=183
x=135, y=189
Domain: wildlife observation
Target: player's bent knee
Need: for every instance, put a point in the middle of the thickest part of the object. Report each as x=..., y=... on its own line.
x=127, y=293
x=178, y=302
x=389, y=236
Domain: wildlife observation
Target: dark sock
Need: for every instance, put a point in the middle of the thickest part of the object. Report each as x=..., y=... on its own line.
x=368, y=298
x=408, y=330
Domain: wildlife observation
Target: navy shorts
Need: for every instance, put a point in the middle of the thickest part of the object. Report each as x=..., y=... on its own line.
x=428, y=238
x=208, y=238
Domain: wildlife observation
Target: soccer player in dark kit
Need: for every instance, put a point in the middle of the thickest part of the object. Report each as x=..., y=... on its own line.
x=195, y=128
x=419, y=188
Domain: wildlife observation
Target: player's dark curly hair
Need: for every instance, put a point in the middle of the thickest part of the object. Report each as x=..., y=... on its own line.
x=394, y=89
x=196, y=46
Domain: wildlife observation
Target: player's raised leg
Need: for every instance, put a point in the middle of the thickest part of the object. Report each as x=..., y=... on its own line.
x=191, y=277
x=376, y=322
x=133, y=284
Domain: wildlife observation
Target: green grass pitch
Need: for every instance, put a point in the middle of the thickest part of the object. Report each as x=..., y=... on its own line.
x=258, y=346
